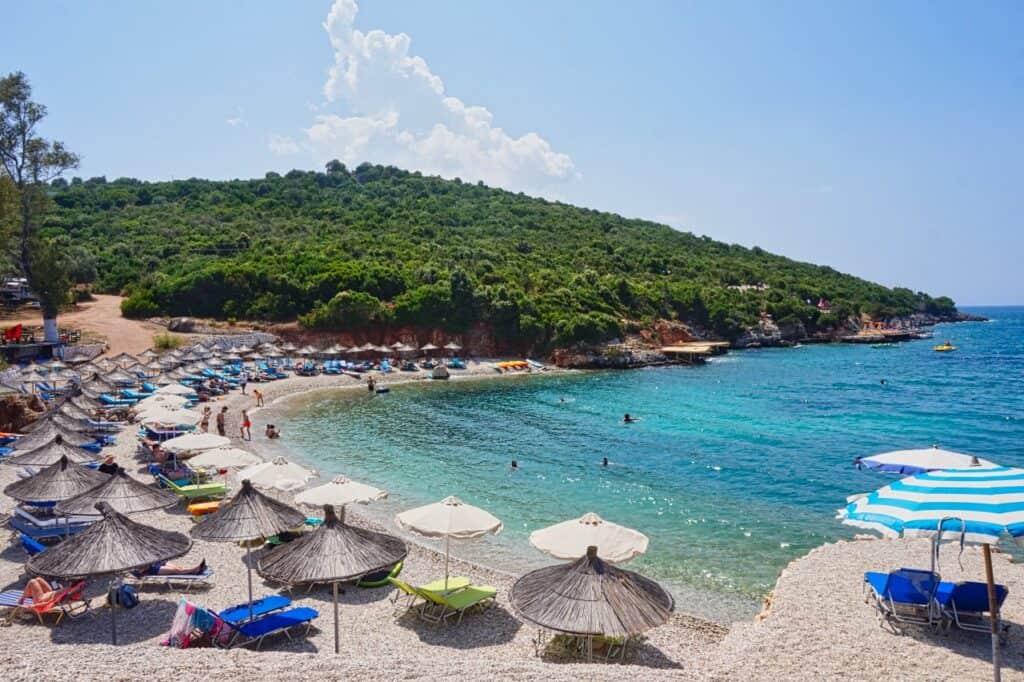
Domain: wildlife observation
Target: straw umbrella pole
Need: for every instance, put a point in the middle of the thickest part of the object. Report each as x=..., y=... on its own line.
x=248, y=516
x=112, y=545
x=334, y=552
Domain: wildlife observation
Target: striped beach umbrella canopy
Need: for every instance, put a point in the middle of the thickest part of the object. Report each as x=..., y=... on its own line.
x=984, y=503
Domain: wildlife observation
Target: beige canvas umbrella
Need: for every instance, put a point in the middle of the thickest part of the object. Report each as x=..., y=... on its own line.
x=338, y=492
x=249, y=515
x=227, y=457
x=278, y=473
x=195, y=442
x=449, y=518
x=333, y=553
x=113, y=545
x=570, y=539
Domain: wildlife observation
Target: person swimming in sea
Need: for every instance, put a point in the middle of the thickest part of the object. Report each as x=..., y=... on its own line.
x=626, y=419
x=515, y=464
x=561, y=400
x=604, y=461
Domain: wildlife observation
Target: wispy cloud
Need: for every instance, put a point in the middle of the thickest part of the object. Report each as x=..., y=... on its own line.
x=384, y=104
x=283, y=145
x=235, y=121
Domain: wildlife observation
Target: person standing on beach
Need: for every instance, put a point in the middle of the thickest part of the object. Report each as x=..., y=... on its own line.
x=204, y=423
x=220, y=421
x=244, y=381
x=259, y=397
x=246, y=427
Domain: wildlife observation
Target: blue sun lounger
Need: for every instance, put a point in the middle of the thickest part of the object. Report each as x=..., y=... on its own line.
x=965, y=604
x=188, y=580
x=31, y=546
x=272, y=624
x=904, y=596
x=239, y=613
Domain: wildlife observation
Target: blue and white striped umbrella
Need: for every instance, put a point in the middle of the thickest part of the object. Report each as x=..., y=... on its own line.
x=988, y=500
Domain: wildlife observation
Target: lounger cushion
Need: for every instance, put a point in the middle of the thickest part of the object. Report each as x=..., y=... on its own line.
x=278, y=621
x=470, y=596
x=177, y=577
x=260, y=607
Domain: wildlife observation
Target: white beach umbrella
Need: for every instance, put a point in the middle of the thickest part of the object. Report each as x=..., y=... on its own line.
x=278, y=473
x=909, y=462
x=226, y=457
x=168, y=417
x=452, y=346
x=338, y=492
x=449, y=518
x=570, y=539
x=192, y=442
x=428, y=346
x=174, y=402
x=175, y=389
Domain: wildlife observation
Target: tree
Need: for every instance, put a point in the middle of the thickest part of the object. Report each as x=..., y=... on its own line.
x=30, y=163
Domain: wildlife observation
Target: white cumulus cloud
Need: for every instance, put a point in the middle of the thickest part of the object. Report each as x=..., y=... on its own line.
x=384, y=105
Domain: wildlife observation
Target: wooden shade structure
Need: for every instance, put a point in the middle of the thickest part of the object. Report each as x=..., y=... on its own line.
x=45, y=432
x=51, y=453
x=113, y=545
x=249, y=515
x=59, y=481
x=590, y=597
x=122, y=493
x=334, y=552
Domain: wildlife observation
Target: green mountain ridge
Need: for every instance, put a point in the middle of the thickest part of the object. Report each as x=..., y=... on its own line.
x=341, y=250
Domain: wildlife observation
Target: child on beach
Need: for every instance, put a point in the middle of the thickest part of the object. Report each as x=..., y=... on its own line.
x=246, y=427
x=204, y=423
x=220, y=421
x=259, y=397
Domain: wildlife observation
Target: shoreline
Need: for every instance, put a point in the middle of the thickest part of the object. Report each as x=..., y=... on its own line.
x=720, y=609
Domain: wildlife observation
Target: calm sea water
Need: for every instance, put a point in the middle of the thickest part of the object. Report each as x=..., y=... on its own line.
x=734, y=469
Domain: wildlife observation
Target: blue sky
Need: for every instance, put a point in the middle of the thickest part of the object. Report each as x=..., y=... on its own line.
x=885, y=139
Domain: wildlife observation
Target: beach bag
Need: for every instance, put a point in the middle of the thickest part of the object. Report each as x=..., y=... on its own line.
x=124, y=596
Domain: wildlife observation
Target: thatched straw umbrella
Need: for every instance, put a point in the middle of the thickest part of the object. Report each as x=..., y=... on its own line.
x=590, y=597
x=57, y=482
x=51, y=453
x=73, y=411
x=113, y=545
x=46, y=430
x=249, y=515
x=123, y=493
x=62, y=421
x=333, y=553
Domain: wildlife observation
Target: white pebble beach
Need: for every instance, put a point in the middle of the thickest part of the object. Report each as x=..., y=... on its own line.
x=818, y=626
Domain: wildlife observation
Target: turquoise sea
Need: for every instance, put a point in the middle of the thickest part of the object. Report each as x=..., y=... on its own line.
x=734, y=469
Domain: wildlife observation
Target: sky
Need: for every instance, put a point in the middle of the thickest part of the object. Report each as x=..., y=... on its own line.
x=883, y=139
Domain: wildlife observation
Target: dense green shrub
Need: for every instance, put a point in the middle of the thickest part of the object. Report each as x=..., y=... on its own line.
x=383, y=245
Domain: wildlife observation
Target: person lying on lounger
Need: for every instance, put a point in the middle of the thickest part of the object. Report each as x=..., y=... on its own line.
x=38, y=590
x=167, y=568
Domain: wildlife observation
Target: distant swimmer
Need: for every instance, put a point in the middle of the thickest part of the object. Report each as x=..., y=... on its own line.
x=882, y=381
x=561, y=400
x=604, y=461
x=626, y=419
x=515, y=464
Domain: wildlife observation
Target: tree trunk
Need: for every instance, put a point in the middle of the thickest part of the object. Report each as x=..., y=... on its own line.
x=50, y=333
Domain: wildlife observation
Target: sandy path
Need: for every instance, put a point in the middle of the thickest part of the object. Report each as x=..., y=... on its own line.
x=103, y=318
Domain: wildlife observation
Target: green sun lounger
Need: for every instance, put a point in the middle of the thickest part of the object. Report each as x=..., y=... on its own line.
x=438, y=606
x=194, y=491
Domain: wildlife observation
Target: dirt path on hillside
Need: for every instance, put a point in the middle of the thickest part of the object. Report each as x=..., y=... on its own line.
x=101, y=318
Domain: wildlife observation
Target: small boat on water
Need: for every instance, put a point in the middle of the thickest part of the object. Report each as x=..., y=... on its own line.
x=945, y=348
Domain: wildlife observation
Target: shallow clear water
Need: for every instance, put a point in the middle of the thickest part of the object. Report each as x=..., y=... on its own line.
x=734, y=469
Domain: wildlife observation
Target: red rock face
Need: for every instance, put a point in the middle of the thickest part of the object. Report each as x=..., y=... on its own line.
x=19, y=410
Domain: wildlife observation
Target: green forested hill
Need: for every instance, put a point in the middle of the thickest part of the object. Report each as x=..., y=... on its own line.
x=378, y=245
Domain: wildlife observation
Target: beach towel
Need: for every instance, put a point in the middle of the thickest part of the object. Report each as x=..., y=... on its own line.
x=191, y=622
